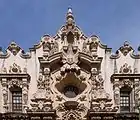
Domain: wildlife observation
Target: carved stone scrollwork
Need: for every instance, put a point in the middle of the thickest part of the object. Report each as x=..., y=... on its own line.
x=41, y=82
x=72, y=111
x=42, y=98
x=101, y=100
x=126, y=82
x=50, y=46
x=14, y=48
x=125, y=69
x=15, y=82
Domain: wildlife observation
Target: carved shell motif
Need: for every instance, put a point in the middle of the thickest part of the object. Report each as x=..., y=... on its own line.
x=125, y=69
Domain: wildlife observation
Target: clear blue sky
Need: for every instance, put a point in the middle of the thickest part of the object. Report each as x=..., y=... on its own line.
x=25, y=21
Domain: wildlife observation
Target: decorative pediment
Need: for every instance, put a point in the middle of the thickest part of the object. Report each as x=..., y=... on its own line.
x=14, y=48
x=125, y=69
x=14, y=69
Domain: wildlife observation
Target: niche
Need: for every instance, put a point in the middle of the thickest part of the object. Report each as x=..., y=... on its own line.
x=70, y=86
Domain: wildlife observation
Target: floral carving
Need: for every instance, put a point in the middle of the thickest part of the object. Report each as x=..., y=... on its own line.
x=14, y=48
x=125, y=69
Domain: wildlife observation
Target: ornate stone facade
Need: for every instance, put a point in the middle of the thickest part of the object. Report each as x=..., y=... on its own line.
x=70, y=75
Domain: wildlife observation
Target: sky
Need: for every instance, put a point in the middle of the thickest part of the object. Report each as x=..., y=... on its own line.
x=26, y=21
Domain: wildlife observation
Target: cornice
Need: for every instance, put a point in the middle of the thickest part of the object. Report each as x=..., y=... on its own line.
x=123, y=76
x=15, y=76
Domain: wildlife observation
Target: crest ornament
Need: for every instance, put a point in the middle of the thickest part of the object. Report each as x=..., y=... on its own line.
x=126, y=48
x=15, y=69
x=125, y=69
x=14, y=48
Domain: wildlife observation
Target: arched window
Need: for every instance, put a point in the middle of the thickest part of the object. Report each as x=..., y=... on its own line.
x=125, y=99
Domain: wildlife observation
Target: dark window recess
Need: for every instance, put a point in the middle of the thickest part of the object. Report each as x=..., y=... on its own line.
x=125, y=101
x=71, y=91
x=16, y=101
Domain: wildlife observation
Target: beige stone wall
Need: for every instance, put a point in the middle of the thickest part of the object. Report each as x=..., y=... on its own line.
x=94, y=55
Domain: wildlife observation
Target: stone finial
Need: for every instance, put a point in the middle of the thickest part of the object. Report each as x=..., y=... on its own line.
x=126, y=48
x=69, y=17
x=14, y=48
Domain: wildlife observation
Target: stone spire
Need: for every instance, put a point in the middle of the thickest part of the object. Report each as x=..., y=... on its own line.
x=70, y=17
